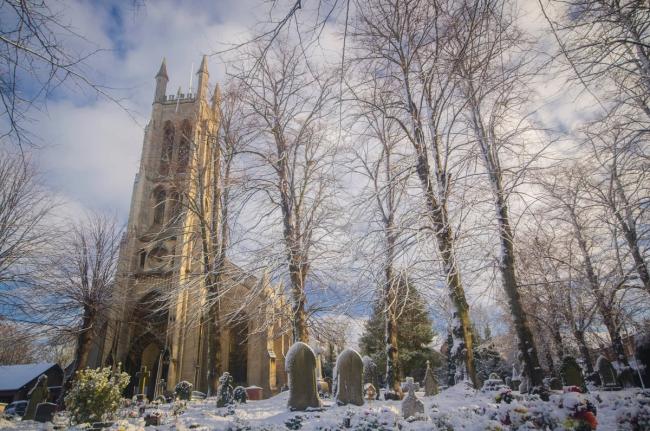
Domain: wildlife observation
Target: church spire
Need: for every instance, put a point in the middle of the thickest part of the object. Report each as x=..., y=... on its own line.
x=162, y=72
x=161, y=82
x=202, y=90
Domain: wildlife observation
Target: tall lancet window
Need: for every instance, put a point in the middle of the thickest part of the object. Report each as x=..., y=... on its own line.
x=167, y=148
x=184, y=146
x=159, y=198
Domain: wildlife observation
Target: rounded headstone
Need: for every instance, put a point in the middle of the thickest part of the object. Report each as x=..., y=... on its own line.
x=300, y=365
x=349, y=376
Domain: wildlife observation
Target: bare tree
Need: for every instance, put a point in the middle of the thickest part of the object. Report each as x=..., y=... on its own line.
x=380, y=162
x=567, y=194
x=39, y=52
x=75, y=294
x=619, y=183
x=399, y=46
x=492, y=69
x=25, y=231
x=288, y=102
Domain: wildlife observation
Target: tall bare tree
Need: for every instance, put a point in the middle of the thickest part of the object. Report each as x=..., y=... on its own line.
x=492, y=67
x=397, y=44
x=75, y=294
x=288, y=102
x=25, y=230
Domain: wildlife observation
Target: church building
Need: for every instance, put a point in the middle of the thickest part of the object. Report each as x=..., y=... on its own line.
x=159, y=306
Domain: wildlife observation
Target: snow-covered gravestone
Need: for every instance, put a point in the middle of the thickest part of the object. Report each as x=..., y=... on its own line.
x=607, y=373
x=571, y=373
x=412, y=407
x=370, y=374
x=349, y=378
x=301, y=369
x=430, y=383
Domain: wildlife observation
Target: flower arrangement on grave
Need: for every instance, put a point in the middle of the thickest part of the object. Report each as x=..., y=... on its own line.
x=504, y=395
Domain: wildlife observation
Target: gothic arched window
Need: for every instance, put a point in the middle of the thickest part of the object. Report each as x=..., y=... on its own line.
x=158, y=257
x=159, y=196
x=167, y=148
x=184, y=146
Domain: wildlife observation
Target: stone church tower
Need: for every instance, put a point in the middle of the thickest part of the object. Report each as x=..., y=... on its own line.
x=155, y=323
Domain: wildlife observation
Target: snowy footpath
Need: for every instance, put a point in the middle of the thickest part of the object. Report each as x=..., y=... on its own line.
x=457, y=408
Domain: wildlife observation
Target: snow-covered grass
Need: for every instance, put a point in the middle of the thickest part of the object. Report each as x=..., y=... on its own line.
x=457, y=408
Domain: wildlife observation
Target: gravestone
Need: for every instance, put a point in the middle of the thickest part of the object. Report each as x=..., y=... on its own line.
x=225, y=390
x=300, y=365
x=430, y=383
x=412, y=407
x=607, y=373
x=37, y=395
x=349, y=378
x=370, y=373
x=571, y=373
x=627, y=377
x=45, y=412
x=143, y=378
x=555, y=384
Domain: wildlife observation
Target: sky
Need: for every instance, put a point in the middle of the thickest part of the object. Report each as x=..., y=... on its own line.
x=90, y=145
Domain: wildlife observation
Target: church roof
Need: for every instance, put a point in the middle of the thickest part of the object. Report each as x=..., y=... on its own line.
x=13, y=377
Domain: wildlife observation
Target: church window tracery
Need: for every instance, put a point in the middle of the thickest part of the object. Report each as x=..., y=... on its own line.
x=184, y=146
x=159, y=197
x=167, y=147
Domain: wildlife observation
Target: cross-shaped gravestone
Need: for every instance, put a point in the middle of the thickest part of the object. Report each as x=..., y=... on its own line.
x=143, y=376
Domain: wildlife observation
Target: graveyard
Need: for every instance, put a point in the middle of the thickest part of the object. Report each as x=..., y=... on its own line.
x=352, y=402
x=325, y=215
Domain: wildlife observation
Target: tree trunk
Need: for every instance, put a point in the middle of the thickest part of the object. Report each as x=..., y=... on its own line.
x=390, y=334
x=84, y=340
x=584, y=349
x=603, y=307
x=461, y=329
x=300, y=332
x=628, y=226
x=507, y=265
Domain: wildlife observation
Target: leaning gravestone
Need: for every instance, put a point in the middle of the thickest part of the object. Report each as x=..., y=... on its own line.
x=37, y=395
x=370, y=373
x=45, y=412
x=412, y=408
x=430, y=383
x=571, y=373
x=349, y=378
x=300, y=366
x=607, y=373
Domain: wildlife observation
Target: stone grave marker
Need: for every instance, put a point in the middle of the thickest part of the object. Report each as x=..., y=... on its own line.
x=571, y=373
x=300, y=365
x=370, y=374
x=607, y=373
x=349, y=378
x=430, y=383
x=412, y=407
x=45, y=412
x=143, y=378
x=37, y=395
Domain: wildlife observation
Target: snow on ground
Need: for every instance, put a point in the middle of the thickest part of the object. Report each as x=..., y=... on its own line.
x=457, y=408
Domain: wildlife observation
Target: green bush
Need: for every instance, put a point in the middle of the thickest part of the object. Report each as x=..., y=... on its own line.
x=95, y=394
